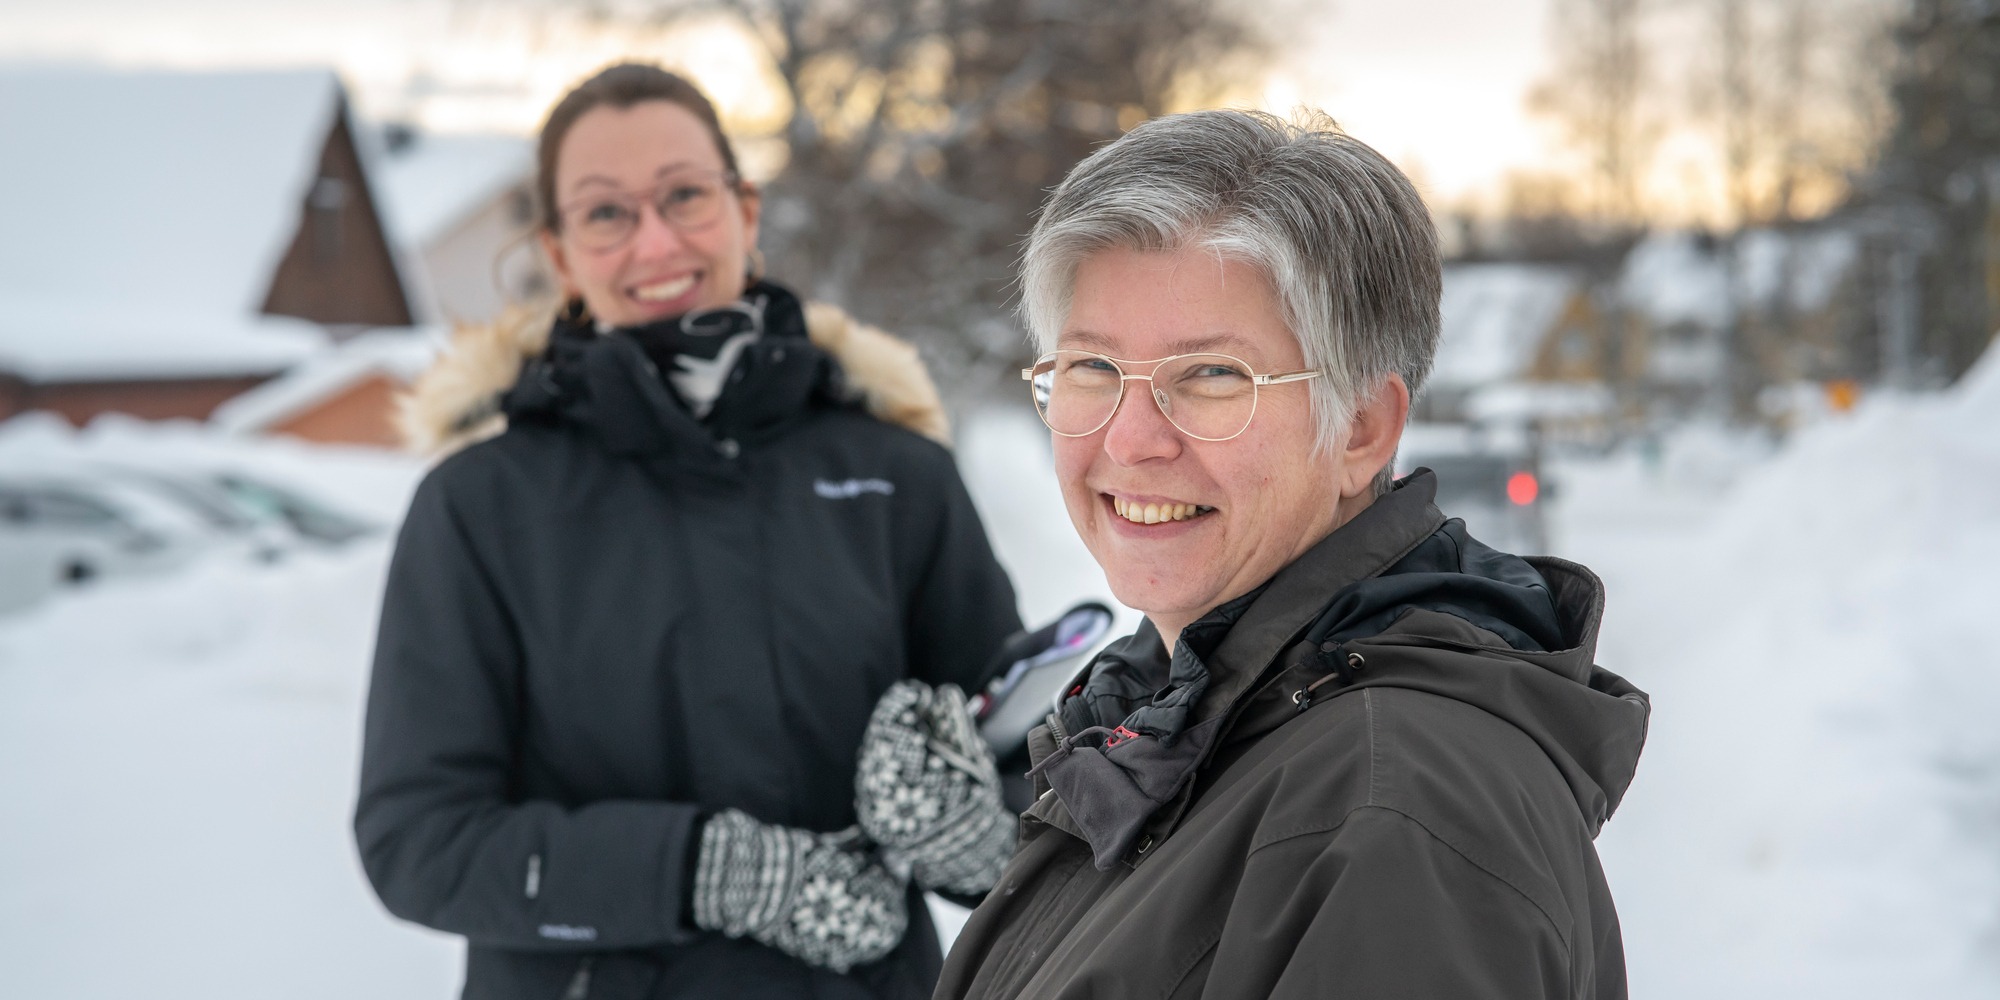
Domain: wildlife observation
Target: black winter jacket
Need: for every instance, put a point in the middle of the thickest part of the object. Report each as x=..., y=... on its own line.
x=1378, y=775
x=611, y=618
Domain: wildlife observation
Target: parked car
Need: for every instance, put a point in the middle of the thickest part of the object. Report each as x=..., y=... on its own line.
x=263, y=536
x=63, y=530
x=272, y=518
x=1489, y=475
x=308, y=517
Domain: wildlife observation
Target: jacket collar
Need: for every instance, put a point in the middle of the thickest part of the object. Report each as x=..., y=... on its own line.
x=1153, y=742
x=607, y=384
x=1376, y=539
x=458, y=401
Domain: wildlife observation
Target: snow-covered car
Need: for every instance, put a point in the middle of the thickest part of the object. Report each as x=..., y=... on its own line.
x=60, y=530
x=264, y=515
x=263, y=536
x=306, y=516
x=1490, y=475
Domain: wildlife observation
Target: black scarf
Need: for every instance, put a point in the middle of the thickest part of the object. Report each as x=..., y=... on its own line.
x=696, y=353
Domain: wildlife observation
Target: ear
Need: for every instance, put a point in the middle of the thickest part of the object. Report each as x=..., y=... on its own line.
x=552, y=249
x=752, y=200
x=1373, y=436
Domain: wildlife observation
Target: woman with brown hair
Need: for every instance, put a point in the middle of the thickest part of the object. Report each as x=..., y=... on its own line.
x=689, y=532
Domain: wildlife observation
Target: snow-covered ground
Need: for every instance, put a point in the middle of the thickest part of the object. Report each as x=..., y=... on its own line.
x=1818, y=809
x=1817, y=813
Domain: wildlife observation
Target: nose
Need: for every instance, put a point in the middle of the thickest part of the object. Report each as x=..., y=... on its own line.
x=1139, y=431
x=654, y=237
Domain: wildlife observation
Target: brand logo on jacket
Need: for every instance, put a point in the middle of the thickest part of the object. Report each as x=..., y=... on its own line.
x=567, y=932
x=848, y=489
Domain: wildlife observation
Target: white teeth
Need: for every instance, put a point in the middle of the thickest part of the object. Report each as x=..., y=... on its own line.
x=664, y=290
x=1156, y=513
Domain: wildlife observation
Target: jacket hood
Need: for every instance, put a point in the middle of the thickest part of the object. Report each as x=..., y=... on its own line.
x=458, y=401
x=1398, y=597
x=1513, y=636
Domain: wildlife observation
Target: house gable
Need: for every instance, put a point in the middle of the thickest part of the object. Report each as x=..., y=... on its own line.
x=339, y=269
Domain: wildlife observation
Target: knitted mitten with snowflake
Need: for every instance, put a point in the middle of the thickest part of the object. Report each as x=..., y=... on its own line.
x=818, y=897
x=928, y=793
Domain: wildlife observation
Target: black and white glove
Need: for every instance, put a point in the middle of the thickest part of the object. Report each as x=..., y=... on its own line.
x=818, y=897
x=928, y=793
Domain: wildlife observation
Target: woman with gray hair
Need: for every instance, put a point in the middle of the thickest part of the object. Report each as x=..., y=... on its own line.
x=1352, y=751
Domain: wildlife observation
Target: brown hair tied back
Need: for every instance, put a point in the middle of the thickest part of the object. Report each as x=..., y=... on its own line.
x=620, y=86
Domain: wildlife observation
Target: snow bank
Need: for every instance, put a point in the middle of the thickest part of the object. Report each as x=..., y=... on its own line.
x=369, y=482
x=1818, y=810
x=179, y=757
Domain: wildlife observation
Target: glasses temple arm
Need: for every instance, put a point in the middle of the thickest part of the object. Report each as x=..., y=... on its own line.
x=1282, y=378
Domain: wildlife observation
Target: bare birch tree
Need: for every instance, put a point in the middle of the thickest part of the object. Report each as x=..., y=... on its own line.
x=1593, y=93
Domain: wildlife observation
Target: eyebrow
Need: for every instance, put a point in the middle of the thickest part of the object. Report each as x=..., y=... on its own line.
x=600, y=179
x=1214, y=342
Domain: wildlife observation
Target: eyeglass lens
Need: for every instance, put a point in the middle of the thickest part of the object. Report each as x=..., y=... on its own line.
x=685, y=201
x=1208, y=396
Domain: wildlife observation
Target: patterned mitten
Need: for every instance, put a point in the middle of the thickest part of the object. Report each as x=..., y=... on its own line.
x=928, y=793
x=815, y=896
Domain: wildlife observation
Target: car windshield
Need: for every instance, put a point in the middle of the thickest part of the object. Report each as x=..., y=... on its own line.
x=1469, y=479
x=308, y=518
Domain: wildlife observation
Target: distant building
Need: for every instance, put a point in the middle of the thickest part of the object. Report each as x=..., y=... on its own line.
x=1520, y=342
x=464, y=208
x=345, y=395
x=174, y=239
x=1784, y=312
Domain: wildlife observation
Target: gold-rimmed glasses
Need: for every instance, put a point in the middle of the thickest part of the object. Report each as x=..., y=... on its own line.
x=1208, y=397
x=686, y=200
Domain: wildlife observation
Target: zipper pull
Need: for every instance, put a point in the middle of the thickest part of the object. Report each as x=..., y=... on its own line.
x=579, y=985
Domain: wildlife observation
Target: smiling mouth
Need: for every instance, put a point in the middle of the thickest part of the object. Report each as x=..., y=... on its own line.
x=665, y=291
x=1157, y=513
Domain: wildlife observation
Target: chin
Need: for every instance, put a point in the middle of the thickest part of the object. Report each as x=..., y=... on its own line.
x=1158, y=594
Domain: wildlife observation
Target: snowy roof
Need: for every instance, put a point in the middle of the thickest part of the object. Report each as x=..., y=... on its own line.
x=1680, y=277
x=146, y=215
x=1495, y=316
x=71, y=339
x=430, y=182
x=1809, y=264
x=171, y=191
x=1674, y=277
x=400, y=354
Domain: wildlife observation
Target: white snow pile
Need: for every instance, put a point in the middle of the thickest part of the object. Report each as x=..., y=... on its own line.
x=179, y=753
x=1818, y=810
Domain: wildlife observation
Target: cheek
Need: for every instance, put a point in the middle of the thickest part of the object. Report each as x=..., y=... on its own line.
x=1072, y=465
x=595, y=272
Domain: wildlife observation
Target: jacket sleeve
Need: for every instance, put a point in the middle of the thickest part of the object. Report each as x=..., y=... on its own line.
x=1381, y=908
x=962, y=606
x=443, y=836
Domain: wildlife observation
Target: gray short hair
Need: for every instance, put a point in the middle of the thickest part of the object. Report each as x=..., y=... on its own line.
x=1342, y=234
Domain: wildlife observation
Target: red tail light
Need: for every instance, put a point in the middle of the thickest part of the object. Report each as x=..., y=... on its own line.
x=1523, y=489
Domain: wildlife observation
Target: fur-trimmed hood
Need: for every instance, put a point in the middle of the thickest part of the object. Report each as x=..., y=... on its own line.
x=456, y=402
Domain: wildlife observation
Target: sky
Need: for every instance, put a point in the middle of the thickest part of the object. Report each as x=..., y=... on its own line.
x=1437, y=85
